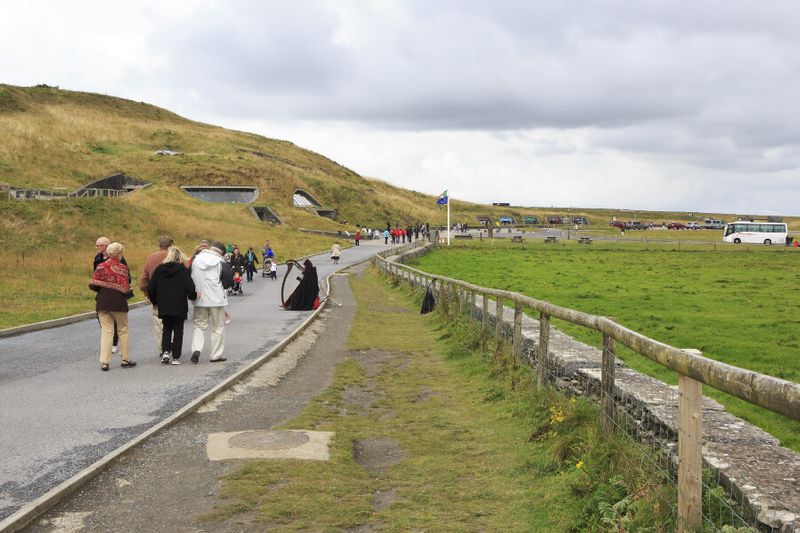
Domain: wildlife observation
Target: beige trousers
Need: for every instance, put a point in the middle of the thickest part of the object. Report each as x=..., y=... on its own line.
x=202, y=317
x=107, y=320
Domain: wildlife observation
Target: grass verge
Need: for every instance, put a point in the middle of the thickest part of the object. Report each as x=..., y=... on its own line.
x=477, y=448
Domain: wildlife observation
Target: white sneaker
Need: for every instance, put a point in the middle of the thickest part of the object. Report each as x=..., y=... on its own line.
x=176, y=361
x=165, y=358
x=114, y=349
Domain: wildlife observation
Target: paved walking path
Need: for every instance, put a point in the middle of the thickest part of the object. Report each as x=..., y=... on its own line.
x=168, y=482
x=60, y=413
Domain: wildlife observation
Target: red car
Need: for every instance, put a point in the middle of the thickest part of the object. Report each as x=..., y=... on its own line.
x=618, y=224
x=676, y=225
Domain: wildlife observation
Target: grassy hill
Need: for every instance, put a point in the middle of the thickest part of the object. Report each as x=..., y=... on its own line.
x=55, y=138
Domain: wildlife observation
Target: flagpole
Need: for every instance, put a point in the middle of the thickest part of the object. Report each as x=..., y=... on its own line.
x=448, y=219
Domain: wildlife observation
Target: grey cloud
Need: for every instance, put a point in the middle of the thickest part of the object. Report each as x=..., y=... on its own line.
x=711, y=84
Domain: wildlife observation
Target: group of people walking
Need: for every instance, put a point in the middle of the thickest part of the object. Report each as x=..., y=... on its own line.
x=169, y=280
x=401, y=235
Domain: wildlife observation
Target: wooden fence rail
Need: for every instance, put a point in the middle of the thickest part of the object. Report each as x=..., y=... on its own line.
x=771, y=393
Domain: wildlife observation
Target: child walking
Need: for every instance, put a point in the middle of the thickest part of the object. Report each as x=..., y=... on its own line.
x=273, y=269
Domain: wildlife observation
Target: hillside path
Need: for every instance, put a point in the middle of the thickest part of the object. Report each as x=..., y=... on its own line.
x=60, y=413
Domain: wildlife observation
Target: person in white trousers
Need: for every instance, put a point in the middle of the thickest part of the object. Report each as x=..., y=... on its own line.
x=209, y=271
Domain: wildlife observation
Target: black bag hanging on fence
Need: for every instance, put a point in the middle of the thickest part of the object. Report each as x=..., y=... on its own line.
x=428, y=302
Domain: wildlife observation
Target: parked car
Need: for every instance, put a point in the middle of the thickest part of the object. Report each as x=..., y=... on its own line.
x=635, y=224
x=676, y=225
x=711, y=223
x=579, y=220
x=555, y=220
x=692, y=225
x=530, y=219
x=618, y=224
x=506, y=220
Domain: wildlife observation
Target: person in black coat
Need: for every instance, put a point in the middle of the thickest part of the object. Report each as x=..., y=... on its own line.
x=303, y=297
x=169, y=288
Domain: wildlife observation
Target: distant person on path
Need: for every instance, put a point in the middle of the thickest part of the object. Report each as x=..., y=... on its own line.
x=304, y=296
x=358, y=236
x=111, y=281
x=100, y=245
x=237, y=261
x=168, y=289
x=267, y=255
x=273, y=269
x=336, y=251
x=250, y=262
x=267, y=251
x=150, y=265
x=211, y=276
x=386, y=236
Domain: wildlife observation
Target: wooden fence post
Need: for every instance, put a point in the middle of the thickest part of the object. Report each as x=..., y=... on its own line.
x=690, y=458
x=544, y=342
x=485, y=312
x=498, y=314
x=607, y=384
x=473, y=298
x=517, y=330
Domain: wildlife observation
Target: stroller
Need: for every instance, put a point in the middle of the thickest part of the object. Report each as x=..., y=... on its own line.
x=236, y=288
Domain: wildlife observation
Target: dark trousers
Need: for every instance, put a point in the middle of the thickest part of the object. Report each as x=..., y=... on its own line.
x=172, y=336
x=250, y=269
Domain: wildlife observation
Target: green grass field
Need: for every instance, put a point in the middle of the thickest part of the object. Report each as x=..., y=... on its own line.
x=736, y=304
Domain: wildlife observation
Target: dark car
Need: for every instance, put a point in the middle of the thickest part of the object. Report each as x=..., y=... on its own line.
x=579, y=220
x=618, y=224
x=635, y=224
x=555, y=220
x=676, y=225
x=530, y=219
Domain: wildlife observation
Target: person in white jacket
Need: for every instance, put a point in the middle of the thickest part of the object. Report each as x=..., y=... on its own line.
x=209, y=271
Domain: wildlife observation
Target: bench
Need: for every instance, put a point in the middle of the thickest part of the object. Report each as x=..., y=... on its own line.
x=551, y=239
x=462, y=236
x=585, y=240
x=517, y=238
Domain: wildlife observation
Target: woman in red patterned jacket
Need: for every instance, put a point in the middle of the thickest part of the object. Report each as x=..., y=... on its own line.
x=111, y=281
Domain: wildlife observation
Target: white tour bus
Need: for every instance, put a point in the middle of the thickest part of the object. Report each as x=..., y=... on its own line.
x=755, y=232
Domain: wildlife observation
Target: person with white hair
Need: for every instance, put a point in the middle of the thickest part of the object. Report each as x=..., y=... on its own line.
x=111, y=280
x=211, y=276
x=100, y=245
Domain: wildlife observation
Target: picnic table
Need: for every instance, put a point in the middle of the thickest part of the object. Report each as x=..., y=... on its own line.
x=551, y=239
x=585, y=240
x=517, y=238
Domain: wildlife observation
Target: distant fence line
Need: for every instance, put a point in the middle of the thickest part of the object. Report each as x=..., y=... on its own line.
x=694, y=370
x=59, y=193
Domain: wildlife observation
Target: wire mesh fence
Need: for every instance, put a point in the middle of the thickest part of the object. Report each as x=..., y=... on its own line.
x=744, y=480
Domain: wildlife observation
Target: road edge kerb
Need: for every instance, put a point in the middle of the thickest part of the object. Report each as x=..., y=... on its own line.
x=56, y=322
x=47, y=501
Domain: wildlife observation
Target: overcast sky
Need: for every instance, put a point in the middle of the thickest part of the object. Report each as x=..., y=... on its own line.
x=668, y=105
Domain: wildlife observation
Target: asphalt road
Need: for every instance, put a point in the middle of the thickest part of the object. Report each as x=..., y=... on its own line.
x=60, y=413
